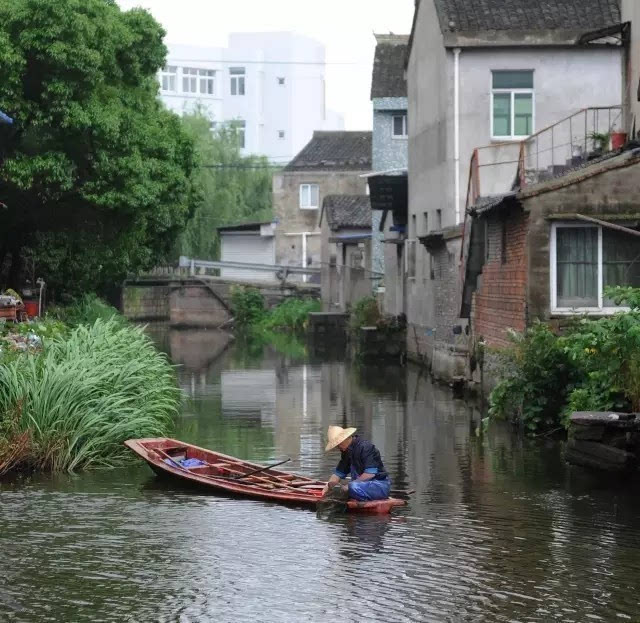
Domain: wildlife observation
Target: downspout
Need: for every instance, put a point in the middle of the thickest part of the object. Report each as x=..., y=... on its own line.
x=456, y=129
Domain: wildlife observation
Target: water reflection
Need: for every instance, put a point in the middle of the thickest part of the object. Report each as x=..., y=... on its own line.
x=498, y=530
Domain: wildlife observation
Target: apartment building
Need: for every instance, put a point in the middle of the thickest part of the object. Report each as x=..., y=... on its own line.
x=269, y=86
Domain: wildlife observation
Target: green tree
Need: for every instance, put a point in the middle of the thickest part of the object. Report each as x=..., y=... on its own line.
x=234, y=188
x=97, y=176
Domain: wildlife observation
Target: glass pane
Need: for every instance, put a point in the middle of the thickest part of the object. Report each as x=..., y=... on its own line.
x=512, y=80
x=233, y=86
x=237, y=71
x=523, y=113
x=577, y=266
x=398, y=126
x=502, y=114
x=304, y=196
x=314, y=196
x=620, y=261
x=241, y=86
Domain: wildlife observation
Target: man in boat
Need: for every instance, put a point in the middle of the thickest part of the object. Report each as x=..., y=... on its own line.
x=360, y=459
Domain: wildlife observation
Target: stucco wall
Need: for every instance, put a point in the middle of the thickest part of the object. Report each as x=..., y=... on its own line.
x=631, y=13
x=429, y=79
x=387, y=153
x=292, y=219
x=565, y=81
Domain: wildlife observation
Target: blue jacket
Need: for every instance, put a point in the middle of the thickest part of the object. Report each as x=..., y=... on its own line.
x=361, y=457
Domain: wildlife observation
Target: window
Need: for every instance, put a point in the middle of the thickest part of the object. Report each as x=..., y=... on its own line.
x=200, y=81
x=168, y=78
x=281, y=81
x=309, y=196
x=240, y=128
x=281, y=134
x=439, y=219
x=399, y=126
x=237, y=80
x=410, y=255
x=512, y=104
x=587, y=259
x=425, y=220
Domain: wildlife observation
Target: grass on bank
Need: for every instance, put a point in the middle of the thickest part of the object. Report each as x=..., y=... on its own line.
x=73, y=404
x=251, y=314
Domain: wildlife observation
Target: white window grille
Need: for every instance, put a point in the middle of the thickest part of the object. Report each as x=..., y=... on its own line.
x=585, y=260
x=512, y=104
x=309, y=196
x=198, y=81
x=237, y=80
x=168, y=78
x=399, y=126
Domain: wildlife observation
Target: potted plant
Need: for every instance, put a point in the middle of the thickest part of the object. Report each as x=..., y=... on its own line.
x=600, y=141
x=618, y=139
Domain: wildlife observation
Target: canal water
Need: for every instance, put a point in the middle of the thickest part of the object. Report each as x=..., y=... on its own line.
x=498, y=529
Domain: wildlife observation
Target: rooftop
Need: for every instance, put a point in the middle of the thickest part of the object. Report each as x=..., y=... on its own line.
x=334, y=151
x=526, y=15
x=347, y=211
x=388, y=78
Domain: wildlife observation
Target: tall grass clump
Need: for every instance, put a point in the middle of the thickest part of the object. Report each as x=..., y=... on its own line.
x=290, y=316
x=72, y=405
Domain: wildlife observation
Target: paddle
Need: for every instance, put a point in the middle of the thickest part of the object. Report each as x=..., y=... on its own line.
x=262, y=469
x=393, y=492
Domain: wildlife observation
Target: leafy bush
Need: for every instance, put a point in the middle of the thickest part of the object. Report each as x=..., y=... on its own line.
x=248, y=305
x=365, y=313
x=291, y=315
x=73, y=404
x=595, y=366
x=539, y=378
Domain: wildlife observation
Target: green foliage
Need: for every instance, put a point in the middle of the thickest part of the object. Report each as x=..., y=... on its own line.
x=594, y=366
x=290, y=316
x=88, y=309
x=365, y=313
x=539, y=377
x=248, y=306
x=72, y=405
x=239, y=190
x=97, y=176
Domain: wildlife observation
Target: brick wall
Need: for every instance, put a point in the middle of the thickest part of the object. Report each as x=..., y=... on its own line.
x=500, y=301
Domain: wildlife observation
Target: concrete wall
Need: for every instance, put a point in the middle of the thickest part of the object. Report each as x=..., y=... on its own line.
x=631, y=13
x=292, y=219
x=565, y=81
x=429, y=79
x=613, y=192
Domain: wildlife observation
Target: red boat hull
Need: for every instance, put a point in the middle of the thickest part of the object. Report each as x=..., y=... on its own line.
x=220, y=472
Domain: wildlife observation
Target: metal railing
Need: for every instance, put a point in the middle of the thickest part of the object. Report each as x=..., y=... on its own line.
x=571, y=142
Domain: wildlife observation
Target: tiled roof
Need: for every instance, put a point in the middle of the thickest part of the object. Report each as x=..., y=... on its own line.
x=526, y=15
x=344, y=211
x=334, y=151
x=388, y=66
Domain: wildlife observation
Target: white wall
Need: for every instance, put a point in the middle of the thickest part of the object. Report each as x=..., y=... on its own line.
x=296, y=107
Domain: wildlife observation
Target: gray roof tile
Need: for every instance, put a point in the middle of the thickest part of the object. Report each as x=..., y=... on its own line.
x=388, y=66
x=347, y=211
x=526, y=15
x=334, y=151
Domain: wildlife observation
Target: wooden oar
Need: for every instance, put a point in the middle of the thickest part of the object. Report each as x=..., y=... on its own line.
x=393, y=492
x=262, y=469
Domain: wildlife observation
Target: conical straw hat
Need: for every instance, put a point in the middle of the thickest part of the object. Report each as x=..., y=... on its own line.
x=336, y=435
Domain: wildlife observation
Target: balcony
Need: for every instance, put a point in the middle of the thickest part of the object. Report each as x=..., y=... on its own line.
x=571, y=143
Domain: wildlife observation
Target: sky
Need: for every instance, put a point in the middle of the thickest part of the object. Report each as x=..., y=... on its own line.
x=345, y=27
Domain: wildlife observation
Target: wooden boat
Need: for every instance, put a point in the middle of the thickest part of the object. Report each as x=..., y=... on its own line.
x=226, y=474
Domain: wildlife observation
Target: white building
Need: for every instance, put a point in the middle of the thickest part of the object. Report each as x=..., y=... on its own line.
x=270, y=85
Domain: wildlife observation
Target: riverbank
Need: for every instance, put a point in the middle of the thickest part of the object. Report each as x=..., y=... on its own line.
x=84, y=382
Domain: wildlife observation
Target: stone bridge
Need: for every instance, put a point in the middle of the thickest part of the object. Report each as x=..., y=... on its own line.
x=196, y=301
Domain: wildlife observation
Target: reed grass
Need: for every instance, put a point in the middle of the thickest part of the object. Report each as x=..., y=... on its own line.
x=72, y=405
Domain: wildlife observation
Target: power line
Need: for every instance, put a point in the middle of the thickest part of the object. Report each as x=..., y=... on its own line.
x=171, y=60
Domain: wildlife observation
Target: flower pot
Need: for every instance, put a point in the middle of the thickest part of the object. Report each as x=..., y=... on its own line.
x=618, y=140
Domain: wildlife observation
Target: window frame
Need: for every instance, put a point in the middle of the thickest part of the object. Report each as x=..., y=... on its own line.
x=199, y=79
x=308, y=185
x=601, y=310
x=405, y=127
x=169, y=72
x=513, y=92
x=237, y=81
